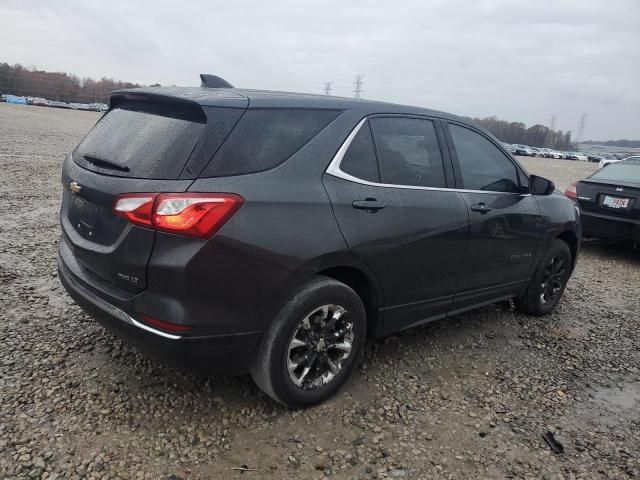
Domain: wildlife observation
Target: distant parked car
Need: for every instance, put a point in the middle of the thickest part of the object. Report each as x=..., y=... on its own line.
x=523, y=150
x=543, y=152
x=15, y=99
x=575, y=156
x=556, y=154
x=609, y=201
x=594, y=157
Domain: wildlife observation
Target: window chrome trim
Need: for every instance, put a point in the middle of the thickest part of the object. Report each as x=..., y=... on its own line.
x=334, y=170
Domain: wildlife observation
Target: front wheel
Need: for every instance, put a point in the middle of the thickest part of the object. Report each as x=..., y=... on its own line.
x=548, y=282
x=310, y=349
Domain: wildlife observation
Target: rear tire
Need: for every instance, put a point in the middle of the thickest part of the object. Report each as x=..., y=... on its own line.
x=311, y=347
x=548, y=281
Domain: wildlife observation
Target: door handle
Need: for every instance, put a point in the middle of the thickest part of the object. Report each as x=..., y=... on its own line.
x=370, y=205
x=481, y=207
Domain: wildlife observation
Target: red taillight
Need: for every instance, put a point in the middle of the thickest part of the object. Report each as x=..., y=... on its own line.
x=571, y=191
x=194, y=214
x=162, y=325
x=197, y=215
x=135, y=207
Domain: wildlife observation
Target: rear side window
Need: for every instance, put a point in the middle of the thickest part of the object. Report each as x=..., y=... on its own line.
x=360, y=159
x=409, y=152
x=139, y=144
x=264, y=139
x=482, y=165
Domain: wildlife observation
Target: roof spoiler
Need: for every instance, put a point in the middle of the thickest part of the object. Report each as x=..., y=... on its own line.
x=213, y=81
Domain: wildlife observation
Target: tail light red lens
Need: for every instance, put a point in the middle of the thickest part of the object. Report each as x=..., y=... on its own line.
x=571, y=191
x=135, y=207
x=197, y=215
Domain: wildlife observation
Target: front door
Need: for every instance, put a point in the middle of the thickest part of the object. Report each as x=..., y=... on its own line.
x=397, y=216
x=504, y=220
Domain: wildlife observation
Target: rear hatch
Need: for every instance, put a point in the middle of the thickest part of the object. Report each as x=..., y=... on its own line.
x=145, y=143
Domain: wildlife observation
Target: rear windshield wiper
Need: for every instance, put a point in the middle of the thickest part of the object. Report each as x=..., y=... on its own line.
x=106, y=164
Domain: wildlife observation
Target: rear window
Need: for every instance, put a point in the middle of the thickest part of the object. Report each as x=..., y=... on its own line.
x=619, y=172
x=263, y=139
x=139, y=144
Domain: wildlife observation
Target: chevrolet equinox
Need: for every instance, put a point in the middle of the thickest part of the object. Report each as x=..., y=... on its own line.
x=232, y=230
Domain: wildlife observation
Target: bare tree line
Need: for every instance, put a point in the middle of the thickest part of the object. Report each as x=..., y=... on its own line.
x=63, y=87
x=534, y=136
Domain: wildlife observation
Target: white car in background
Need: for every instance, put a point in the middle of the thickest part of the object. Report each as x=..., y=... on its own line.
x=581, y=157
x=606, y=161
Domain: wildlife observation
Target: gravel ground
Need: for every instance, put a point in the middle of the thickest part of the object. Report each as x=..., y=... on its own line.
x=464, y=398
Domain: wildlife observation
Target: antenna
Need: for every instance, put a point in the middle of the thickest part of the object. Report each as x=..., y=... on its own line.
x=357, y=83
x=213, y=81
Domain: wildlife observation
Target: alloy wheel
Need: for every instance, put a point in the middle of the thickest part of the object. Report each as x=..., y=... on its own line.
x=553, y=280
x=320, y=346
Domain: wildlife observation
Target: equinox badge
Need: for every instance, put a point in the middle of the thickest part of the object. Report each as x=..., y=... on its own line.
x=74, y=187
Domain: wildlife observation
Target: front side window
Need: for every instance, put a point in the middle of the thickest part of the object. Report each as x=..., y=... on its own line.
x=482, y=165
x=409, y=152
x=360, y=159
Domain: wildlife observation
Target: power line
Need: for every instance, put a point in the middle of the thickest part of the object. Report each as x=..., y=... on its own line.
x=358, y=83
x=327, y=88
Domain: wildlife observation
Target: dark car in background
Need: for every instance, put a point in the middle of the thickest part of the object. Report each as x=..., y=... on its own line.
x=252, y=231
x=609, y=201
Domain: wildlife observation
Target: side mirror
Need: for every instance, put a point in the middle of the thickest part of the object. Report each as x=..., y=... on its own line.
x=540, y=185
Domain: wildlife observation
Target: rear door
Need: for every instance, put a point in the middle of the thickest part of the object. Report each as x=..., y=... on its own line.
x=504, y=220
x=141, y=145
x=397, y=215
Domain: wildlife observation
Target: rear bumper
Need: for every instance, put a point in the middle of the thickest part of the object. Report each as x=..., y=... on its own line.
x=609, y=226
x=228, y=353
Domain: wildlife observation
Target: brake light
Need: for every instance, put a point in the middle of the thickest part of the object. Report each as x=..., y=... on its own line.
x=571, y=191
x=162, y=325
x=197, y=215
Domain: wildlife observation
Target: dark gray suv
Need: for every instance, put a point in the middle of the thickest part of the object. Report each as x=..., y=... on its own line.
x=232, y=230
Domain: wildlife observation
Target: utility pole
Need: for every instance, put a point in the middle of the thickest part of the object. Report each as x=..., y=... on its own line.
x=357, y=84
x=581, y=125
x=552, y=128
x=327, y=88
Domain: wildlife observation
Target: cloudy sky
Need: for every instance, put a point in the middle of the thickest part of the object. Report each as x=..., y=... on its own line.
x=522, y=60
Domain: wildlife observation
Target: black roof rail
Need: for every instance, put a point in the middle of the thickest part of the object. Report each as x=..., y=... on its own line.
x=213, y=81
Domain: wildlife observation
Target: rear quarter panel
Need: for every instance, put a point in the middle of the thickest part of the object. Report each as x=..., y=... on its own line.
x=284, y=233
x=558, y=214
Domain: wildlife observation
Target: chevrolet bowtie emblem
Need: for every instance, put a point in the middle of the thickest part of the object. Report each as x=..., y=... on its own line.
x=74, y=187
